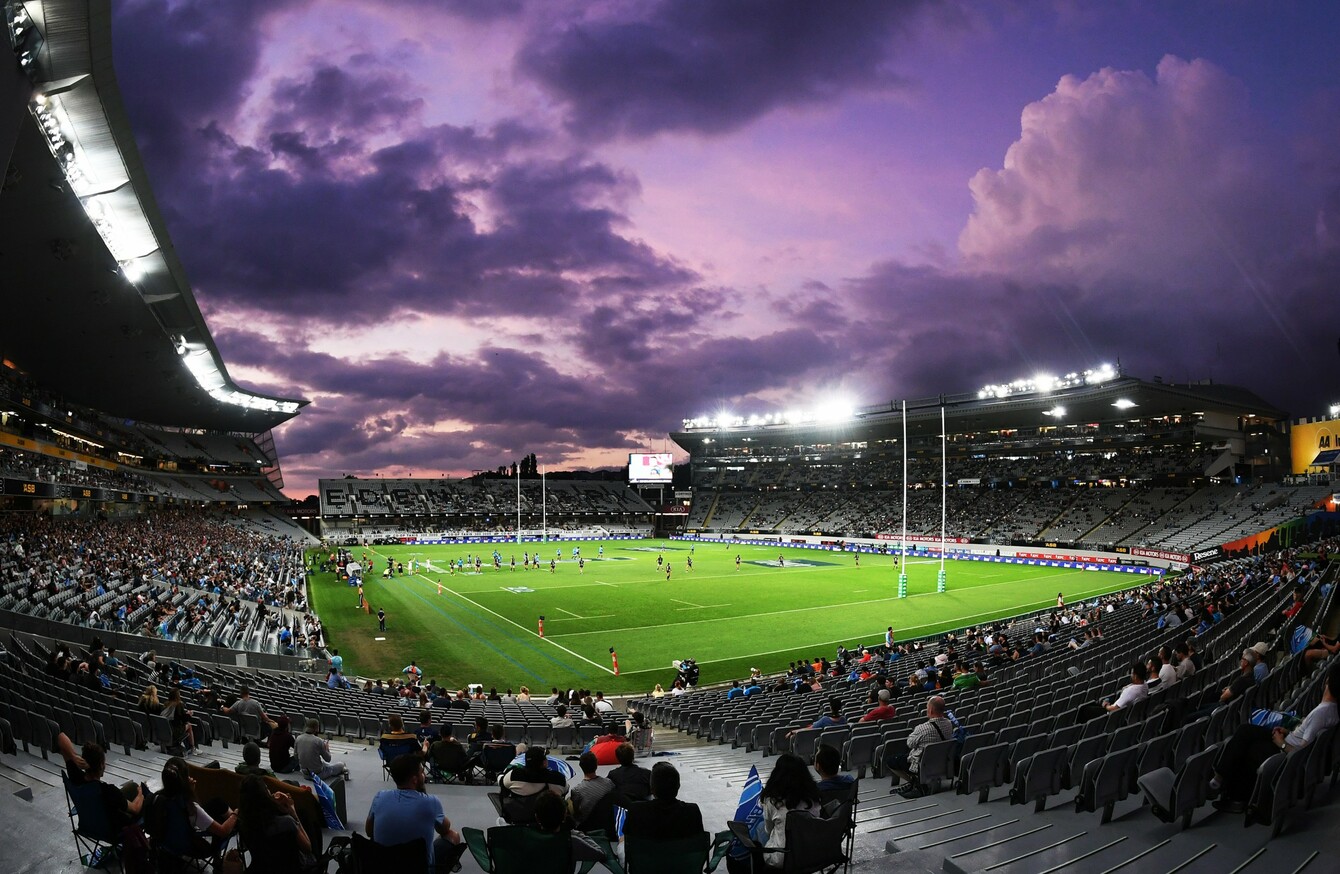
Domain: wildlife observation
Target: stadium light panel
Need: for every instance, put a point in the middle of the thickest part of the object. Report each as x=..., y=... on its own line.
x=1044, y=382
x=1123, y=403
x=1335, y=409
x=1055, y=412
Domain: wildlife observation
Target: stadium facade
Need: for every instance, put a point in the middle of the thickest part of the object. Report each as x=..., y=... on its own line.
x=1098, y=460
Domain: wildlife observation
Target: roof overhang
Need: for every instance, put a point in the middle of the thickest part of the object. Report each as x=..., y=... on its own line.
x=101, y=311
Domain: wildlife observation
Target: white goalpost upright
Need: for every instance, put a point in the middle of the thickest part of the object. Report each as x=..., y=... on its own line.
x=902, y=564
x=544, y=509
x=518, y=506
x=944, y=496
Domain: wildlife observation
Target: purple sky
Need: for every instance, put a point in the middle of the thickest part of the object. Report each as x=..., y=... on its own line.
x=472, y=230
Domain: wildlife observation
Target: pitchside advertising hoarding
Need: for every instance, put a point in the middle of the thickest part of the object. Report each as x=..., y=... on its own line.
x=649, y=468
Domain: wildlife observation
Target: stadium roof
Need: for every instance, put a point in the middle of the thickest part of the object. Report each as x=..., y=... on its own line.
x=1120, y=398
x=99, y=309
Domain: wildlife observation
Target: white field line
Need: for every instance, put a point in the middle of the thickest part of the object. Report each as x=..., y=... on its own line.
x=806, y=609
x=523, y=628
x=848, y=638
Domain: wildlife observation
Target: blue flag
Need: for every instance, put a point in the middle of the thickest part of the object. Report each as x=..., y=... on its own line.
x=620, y=814
x=325, y=796
x=749, y=811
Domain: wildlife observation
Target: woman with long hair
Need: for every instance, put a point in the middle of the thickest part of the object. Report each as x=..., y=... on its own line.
x=789, y=787
x=180, y=719
x=179, y=822
x=271, y=830
x=149, y=702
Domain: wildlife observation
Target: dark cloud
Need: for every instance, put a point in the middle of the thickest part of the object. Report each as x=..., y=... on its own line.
x=179, y=62
x=711, y=67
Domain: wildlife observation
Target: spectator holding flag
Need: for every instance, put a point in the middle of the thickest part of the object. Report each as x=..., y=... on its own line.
x=790, y=787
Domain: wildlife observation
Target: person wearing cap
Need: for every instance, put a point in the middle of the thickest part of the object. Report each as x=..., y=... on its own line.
x=1261, y=670
x=882, y=710
x=1235, y=768
x=408, y=813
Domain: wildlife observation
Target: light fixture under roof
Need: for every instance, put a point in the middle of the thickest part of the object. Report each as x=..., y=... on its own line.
x=1123, y=403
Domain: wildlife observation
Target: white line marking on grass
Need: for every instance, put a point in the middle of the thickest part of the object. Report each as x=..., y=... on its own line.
x=378, y=638
x=523, y=628
x=690, y=603
x=574, y=618
x=951, y=620
x=702, y=607
x=823, y=607
x=570, y=613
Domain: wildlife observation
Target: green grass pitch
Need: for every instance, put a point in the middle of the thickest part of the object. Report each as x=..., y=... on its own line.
x=482, y=628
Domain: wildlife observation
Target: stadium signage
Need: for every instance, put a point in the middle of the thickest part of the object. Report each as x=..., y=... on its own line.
x=1083, y=559
x=1207, y=554
x=921, y=538
x=1160, y=554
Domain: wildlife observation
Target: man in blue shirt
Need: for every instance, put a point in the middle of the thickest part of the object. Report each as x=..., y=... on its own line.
x=407, y=812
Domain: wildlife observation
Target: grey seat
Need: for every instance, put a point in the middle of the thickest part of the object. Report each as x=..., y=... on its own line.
x=1155, y=753
x=1106, y=781
x=1126, y=736
x=1318, y=763
x=1081, y=754
x=563, y=738
x=1022, y=749
x=937, y=763
x=1190, y=740
x=161, y=732
x=224, y=728
x=123, y=732
x=371, y=728
x=805, y=741
x=1038, y=777
x=250, y=726
x=1177, y=794
x=1279, y=782
x=331, y=724
x=982, y=770
x=1064, y=737
x=860, y=752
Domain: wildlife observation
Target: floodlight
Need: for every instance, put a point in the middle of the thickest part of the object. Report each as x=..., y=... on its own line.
x=1044, y=382
x=1055, y=412
x=133, y=270
x=1335, y=409
x=1123, y=403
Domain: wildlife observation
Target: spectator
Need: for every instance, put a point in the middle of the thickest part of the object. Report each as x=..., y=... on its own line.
x=314, y=754
x=789, y=787
x=1261, y=670
x=664, y=817
x=561, y=718
x=832, y=717
x=245, y=705
x=270, y=827
x=281, y=746
x=124, y=804
x=882, y=710
x=408, y=813
x=1134, y=691
x=251, y=762
x=631, y=781
x=178, y=799
x=533, y=777
x=1235, y=769
x=937, y=727
x=828, y=764
x=178, y=717
x=589, y=792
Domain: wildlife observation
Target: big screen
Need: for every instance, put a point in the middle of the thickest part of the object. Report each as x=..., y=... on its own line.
x=649, y=467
